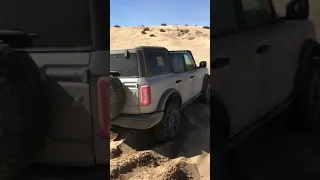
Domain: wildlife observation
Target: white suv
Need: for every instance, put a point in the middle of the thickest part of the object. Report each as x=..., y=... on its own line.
x=157, y=84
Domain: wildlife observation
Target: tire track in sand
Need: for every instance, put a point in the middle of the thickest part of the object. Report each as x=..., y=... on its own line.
x=137, y=155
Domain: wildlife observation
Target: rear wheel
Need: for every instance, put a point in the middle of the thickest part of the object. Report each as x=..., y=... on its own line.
x=169, y=127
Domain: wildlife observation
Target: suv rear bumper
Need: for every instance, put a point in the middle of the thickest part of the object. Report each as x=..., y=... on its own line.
x=141, y=121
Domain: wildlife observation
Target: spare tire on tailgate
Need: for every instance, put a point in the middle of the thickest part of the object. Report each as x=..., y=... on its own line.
x=117, y=97
x=22, y=112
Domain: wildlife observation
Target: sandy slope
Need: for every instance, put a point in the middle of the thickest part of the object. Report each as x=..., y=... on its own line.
x=194, y=38
x=137, y=155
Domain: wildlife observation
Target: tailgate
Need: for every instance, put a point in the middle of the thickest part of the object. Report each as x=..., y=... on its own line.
x=69, y=94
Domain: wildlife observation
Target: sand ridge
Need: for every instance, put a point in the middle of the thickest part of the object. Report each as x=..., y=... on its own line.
x=193, y=38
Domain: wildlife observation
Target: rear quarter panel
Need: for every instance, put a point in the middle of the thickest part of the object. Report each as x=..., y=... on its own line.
x=158, y=85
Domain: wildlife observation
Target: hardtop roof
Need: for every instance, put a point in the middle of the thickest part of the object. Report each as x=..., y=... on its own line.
x=133, y=50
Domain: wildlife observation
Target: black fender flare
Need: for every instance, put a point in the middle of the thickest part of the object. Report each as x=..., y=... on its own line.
x=216, y=95
x=165, y=96
x=206, y=79
x=221, y=126
x=306, y=52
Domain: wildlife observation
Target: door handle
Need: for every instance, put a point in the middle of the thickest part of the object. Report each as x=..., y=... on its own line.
x=178, y=81
x=220, y=62
x=191, y=77
x=263, y=49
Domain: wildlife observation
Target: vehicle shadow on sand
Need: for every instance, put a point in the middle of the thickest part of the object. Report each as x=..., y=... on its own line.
x=41, y=172
x=193, y=140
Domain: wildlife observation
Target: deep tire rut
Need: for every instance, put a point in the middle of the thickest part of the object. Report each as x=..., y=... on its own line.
x=128, y=163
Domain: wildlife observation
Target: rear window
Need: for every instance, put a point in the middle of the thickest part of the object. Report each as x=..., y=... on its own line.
x=126, y=66
x=158, y=63
x=58, y=23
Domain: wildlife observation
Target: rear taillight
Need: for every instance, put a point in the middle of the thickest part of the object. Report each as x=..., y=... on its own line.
x=145, y=98
x=103, y=100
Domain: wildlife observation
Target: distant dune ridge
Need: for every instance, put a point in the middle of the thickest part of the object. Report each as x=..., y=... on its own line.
x=193, y=38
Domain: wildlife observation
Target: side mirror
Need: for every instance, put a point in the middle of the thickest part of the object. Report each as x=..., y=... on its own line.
x=297, y=9
x=203, y=64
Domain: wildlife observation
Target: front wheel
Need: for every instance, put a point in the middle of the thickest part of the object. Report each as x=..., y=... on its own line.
x=168, y=128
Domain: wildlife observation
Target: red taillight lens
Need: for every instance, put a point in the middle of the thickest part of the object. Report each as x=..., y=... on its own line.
x=145, y=98
x=103, y=99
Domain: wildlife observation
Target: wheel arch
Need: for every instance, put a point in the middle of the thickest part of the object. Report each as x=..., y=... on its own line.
x=218, y=110
x=166, y=96
x=217, y=99
x=206, y=79
x=310, y=47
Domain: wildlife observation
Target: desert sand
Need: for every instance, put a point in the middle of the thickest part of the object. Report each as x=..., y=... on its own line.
x=193, y=38
x=137, y=155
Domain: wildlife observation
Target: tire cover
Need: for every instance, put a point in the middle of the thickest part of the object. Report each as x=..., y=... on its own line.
x=117, y=97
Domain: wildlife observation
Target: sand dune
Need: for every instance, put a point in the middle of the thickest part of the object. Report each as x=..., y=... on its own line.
x=193, y=38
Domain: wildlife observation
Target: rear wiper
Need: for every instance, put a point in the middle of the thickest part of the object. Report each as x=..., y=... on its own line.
x=115, y=73
x=16, y=38
x=6, y=32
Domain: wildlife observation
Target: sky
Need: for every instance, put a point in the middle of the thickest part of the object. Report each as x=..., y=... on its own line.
x=156, y=12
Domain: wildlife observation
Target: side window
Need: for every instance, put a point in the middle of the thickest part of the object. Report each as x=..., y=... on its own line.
x=158, y=63
x=177, y=63
x=257, y=12
x=189, y=61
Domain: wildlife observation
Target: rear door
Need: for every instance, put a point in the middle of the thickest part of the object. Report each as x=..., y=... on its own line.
x=259, y=24
x=235, y=72
x=274, y=53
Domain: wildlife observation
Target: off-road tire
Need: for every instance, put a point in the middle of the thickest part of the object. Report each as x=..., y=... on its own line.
x=307, y=102
x=162, y=130
x=205, y=94
x=117, y=97
x=22, y=111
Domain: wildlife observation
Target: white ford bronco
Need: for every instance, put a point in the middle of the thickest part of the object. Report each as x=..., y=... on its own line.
x=260, y=64
x=155, y=85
